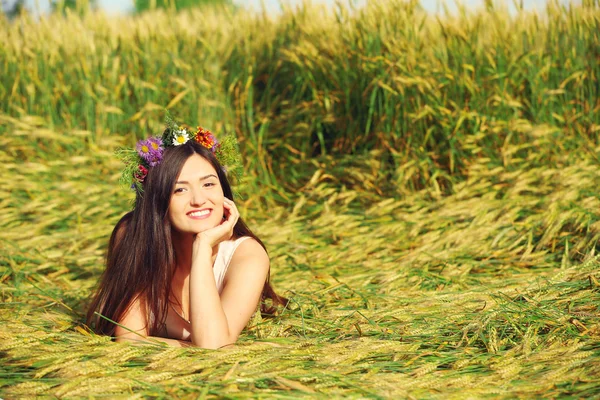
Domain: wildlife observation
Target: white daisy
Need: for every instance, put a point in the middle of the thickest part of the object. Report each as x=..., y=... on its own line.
x=180, y=137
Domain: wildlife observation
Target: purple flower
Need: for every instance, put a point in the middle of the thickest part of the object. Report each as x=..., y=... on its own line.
x=216, y=143
x=150, y=150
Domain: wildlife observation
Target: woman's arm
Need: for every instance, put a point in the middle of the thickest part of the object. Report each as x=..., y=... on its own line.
x=133, y=327
x=244, y=283
x=156, y=340
x=218, y=320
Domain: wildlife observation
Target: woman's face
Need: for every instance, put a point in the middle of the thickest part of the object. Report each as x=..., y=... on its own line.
x=197, y=199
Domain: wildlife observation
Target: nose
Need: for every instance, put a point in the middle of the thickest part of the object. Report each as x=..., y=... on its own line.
x=198, y=197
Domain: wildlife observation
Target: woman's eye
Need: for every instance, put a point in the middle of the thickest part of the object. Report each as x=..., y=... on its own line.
x=179, y=190
x=208, y=184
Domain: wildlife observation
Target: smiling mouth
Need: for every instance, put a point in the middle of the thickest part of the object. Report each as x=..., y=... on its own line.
x=199, y=214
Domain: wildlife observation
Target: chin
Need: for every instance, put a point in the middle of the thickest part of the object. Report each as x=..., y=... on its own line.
x=203, y=226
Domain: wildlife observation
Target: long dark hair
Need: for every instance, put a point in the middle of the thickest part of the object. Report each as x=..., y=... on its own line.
x=141, y=262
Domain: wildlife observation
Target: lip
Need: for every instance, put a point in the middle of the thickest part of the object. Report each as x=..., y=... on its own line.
x=189, y=214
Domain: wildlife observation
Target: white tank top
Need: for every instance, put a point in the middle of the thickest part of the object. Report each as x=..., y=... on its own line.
x=224, y=255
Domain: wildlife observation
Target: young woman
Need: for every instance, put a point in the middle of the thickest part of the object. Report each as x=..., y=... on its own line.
x=182, y=267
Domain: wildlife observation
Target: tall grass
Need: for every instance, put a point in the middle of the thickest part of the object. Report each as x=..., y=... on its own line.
x=427, y=188
x=433, y=94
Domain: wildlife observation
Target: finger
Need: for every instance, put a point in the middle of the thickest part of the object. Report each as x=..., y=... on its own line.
x=231, y=221
x=232, y=218
x=231, y=207
x=228, y=216
x=228, y=203
x=234, y=213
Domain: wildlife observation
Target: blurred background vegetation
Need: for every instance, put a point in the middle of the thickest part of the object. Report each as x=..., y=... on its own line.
x=144, y=5
x=427, y=186
x=429, y=96
x=14, y=8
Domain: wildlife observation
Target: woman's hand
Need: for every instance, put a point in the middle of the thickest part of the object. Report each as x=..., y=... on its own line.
x=224, y=231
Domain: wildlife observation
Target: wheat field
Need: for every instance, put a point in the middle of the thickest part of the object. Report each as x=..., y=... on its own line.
x=427, y=188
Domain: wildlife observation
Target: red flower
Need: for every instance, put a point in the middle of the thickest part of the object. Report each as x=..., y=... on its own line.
x=206, y=139
x=140, y=175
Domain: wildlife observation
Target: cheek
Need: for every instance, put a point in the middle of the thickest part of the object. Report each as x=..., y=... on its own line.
x=218, y=200
x=174, y=208
x=220, y=211
x=171, y=216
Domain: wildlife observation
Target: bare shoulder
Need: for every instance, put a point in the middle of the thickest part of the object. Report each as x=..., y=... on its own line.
x=250, y=247
x=134, y=321
x=250, y=252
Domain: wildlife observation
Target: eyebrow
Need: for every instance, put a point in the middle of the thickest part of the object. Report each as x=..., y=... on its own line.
x=201, y=179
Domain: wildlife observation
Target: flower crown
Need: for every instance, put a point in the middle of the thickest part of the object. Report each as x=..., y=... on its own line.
x=148, y=152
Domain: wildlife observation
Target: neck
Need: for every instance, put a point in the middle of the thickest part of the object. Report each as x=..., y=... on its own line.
x=182, y=245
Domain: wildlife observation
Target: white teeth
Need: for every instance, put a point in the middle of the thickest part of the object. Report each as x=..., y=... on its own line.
x=199, y=213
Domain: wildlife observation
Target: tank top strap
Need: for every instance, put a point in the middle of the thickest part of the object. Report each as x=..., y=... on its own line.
x=224, y=256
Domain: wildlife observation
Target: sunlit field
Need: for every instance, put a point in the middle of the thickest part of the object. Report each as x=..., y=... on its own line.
x=427, y=188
